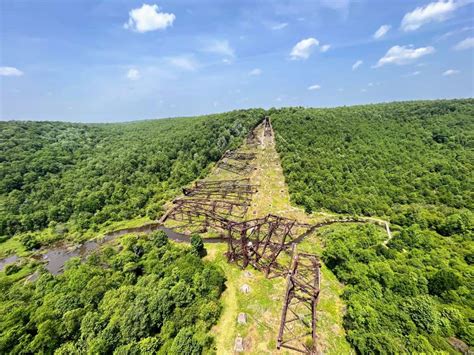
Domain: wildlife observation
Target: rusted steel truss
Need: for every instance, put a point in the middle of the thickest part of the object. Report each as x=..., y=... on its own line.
x=267, y=126
x=252, y=139
x=236, y=166
x=221, y=207
x=260, y=241
x=197, y=215
x=230, y=190
x=239, y=155
x=298, y=320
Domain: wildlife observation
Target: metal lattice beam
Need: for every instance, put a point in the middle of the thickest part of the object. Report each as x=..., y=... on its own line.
x=298, y=320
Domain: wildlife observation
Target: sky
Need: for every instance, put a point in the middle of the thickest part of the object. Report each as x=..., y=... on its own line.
x=111, y=61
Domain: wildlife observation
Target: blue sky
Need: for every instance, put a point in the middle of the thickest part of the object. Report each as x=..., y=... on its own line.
x=104, y=61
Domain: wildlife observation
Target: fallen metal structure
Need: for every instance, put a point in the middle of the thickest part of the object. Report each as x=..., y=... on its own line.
x=236, y=209
x=252, y=139
x=230, y=190
x=197, y=216
x=236, y=166
x=260, y=241
x=239, y=155
x=267, y=126
x=298, y=320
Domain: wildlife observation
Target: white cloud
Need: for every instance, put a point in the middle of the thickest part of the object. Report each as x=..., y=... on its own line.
x=133, y=74
x=455, y=32
x=450, y=72
x=221, y=48
x=148, y=18
x=415, y=73
x=314, y=87
x=401, y=55
x=357, y=64
x=325, y=48
x=184, y=62
x=279, y=26
x=255, y=72
x=465, y=44
x=10, y=71
x=433, y=12
x=382, y=31
x=303, y=49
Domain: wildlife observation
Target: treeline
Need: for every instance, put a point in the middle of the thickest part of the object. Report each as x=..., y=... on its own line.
x=145, y=297
x=373, y=159
x=416, y=296
x=76, y=177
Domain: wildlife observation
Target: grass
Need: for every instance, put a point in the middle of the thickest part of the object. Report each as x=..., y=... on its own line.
x=264, y=303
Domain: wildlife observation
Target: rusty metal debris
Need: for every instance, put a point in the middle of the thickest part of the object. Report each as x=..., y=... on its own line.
x=298, y=320
x=239, y=155
x=234, y=190
x=267, y=126
x=221, y=205
x=260, y=241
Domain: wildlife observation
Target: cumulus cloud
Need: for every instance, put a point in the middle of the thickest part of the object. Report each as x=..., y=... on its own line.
x=133, y=74
x=255, y=72
x=279, y=26
x=148, y=18
x=184, y=62
x=433, y=12
x=303, y=49
x=325, y=48
x=10, y=71
x=220, y=47
x=401, y=55
x=314, y=87
x=465, y=44
x=382, y=31
x=450, y=72
x=357, y=64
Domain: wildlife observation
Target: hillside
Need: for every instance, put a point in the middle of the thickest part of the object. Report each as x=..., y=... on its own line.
x=412, y=162
x=381, y=195
x=75, y=178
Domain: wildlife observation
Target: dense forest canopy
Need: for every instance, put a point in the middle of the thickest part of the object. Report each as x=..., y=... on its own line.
x=413, y=163
x=416, y=296
x=409, y=162
x=77, y=176
x=375, y=159
x=146, y=297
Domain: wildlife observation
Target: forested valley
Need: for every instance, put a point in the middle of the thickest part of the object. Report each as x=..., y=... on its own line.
x=73, y=178
x=411, y=162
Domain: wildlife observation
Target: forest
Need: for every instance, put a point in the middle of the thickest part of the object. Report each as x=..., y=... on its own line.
x=144, y=296
x=384, y=159
x=73, y=178
x=412, y=163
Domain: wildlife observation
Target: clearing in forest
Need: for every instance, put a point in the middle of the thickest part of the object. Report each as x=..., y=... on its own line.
x=248, y=291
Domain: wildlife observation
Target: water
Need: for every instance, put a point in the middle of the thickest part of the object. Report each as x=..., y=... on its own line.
x=9, y=260
x=56, y=257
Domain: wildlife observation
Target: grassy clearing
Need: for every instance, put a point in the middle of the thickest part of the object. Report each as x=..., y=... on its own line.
x=263, y=304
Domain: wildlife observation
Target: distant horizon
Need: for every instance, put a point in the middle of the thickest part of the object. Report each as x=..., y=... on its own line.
x=237, y=109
